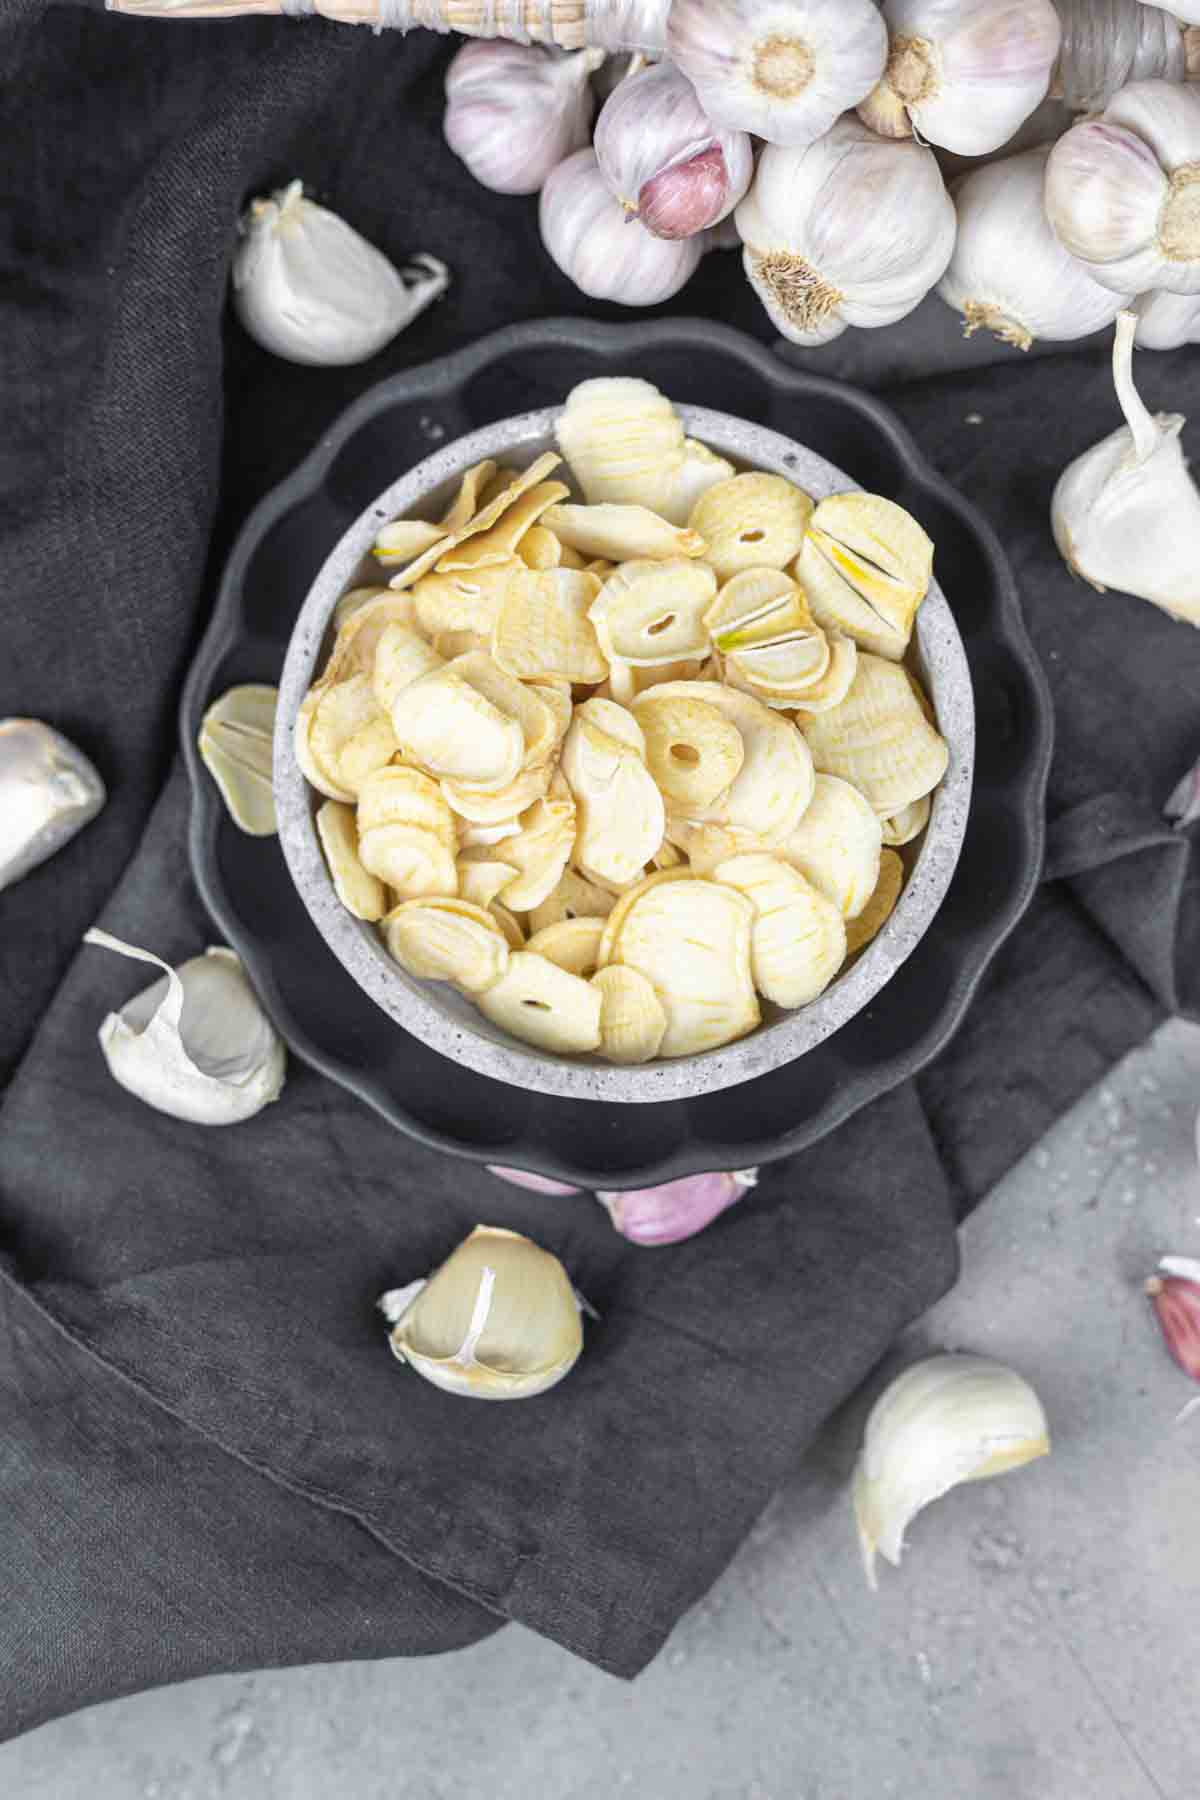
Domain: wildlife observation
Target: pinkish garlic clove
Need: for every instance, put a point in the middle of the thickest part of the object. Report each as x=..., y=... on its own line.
x=1175, y=1296
x=537, y=1184
x=677, y=1209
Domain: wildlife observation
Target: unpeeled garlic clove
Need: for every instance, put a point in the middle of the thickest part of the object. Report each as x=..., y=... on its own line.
x=308, y=288
x=946, y=1420
x=608, y=255
x=537, y=1184
x=196, y=1045
x=1126, y=514
x=498, y=1320
x=676, y=1210
x=236, y=745
x=515, y=111
x=1175, y=1296
x=663, y=158
x=1167, y=321
x=48, y=792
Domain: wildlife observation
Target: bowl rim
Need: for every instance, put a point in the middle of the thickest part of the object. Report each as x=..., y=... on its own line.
x=412, y=1005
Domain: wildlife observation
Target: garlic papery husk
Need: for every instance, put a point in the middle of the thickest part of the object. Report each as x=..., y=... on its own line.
x=1175, y=1295
x=1126, y=514
x=946, y=1420
x=853, y=230
x=1183, y=806
x=782, y=69
x=1009, y=273
x=1167, y=321
x=677, y=1209
x=514, y=112
x=498, y=1320
x=197, y=1044
x=964, y=74
x=48, y=791
x=1123, y=190
x=1186, y=11
x=663, y=158
x=606, y=253
x=308, y=288
x=1108, y=43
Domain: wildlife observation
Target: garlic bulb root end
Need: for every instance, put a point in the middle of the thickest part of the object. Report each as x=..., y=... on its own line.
x=783, y=67
x=796, y=288
x=979, y=317
x=1179, y=227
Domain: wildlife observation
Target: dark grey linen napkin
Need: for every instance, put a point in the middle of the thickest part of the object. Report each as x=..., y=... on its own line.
x=202, y=1433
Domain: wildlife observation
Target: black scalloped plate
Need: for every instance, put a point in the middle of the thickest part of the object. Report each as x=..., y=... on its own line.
x=330, y=1022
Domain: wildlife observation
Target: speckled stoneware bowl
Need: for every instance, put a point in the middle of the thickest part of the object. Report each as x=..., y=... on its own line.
x=446, y=1020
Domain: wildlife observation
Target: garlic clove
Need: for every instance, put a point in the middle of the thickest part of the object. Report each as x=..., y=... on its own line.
x=537, y=1184
x=1167, y=321
x=48, y=792
x=676, y=1210
x=308, y=288
x=605, y=252
x=1126, y=514
x=196, y=1045
x=1183, y=807
x=515, y=111
x=1175, y=1295
x=236, y=745
x=663, y=158
x=946, y=1420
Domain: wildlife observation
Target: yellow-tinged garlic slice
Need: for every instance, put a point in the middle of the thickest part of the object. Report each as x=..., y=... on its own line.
x=837, y=845
x=700, y=470
x=791, y=665
x=615, y=720
x=359, y=892
x=453, y=644
x=879, y=739
x=866, y=566
x=466, y=601
x=313, y=771
x=754, y=521
x=799, y=939
x=621, y=908
x=492, y=510
x=755, y=607
x=902, y=827
x=350, y=602
x=358, y=639
x=632, y=1021
x=833, y=686
x=401, y=657
x=540, y=549
x=447, y=940
x=625, y=682
x=404, y=539
x=399, y=795
x=621, y=534
x=484, y=837
x=775, y=783
x=574, y=944
x=545, y=1006
x=665, y=857
x=499, y=544
x=693, y=751
x=349, y=733
x=412, y=860
x=513, y=698
x=557, y=695
x=507, y=803
x=480, y=882
x=573, y=898
x=509, y=924
x=447, y=726
x=649, y=613
x=706, y=846
x=542, y=629
x=621, y=812
x=879, y=908
x=692, y=942
x=541, y=848
x=624, y=443
x=474, y=489
x=236, y=746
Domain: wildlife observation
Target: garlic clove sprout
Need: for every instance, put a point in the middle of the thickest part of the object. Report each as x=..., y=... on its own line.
x=498, y=1320
x=677, y=1209
x=852, y=230
x=1126, y=514
x=236, y=745
x=945, y=1420
x=607, y=254
x=663, y=158
x=196, y=1045
x=1167, y=321
x=1009, y=274
x=308, y=288
x=48, y=792
x=1123, y=190
x=514, y=111
x=782, y=69
x=964, y=74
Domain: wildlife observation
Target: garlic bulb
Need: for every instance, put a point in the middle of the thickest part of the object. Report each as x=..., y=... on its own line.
x=663, y=158
x=308, y=288
x=48, y=791
x=1123, y=190
x=1167, y=321
x=1126, y=514
x=1187, y=11
x=782, y=69
x=607, y=254
x=852, y=230
x=1108, y=43
x=678, y=1209
x=498, y=1320
x=946, y=1420
x=1009, y=273
x=196, y=1045
x=513, y=112
x=964, y=74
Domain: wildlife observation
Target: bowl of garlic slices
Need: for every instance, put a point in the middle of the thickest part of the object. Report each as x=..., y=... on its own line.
x=624, y=750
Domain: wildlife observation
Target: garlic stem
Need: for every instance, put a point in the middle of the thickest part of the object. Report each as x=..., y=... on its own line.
x=1137, y=415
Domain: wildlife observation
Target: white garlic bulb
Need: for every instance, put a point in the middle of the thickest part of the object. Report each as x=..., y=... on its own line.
x=663, y=158
x=853, y=230
x=48, y=791
x=1187, y=10
x=606, y=253
x=308, y=288
x=1009, y=274
x=1123, y=190
x=197, y=1044
x=1126, y=514
x=1167, y=321
x=514, y=111
x=963, y=74
x=782, y=69
x=945, y=1420
x=1108, y=43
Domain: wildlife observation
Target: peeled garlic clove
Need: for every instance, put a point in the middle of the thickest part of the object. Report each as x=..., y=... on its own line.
x=663, y=158
x=608, y=255
x=1167, y=321
x=946, y=1420
x=48, y=791
x=677, y=1209
x=308, y=288
x=196, y=1045
x=236, y=745
x=498, y=1320
x=1126, y=514
x=514, y=111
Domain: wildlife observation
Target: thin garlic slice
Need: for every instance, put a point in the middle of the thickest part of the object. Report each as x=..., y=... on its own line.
x=236, y=747
x=48, y=791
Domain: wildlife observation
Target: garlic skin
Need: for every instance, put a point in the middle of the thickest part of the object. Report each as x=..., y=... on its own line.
x=946, y=1420
x=514, y=111
x=1123, y=190
x=853, y=230
x=782, y=69
x=308, y=288
x=197, y=1045
x=676, y=1210
x=607, y=254
x=1167, y=321
x=1126, y=514
x=498, y=1320
x=1175, y=1295
x=1186, y=10
x=48, y=792
x=964, y=74
x=663, y=158
x=1108, y=43
x=1009, y=273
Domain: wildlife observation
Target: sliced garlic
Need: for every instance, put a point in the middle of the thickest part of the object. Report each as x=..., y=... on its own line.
x=236, y=747
x=48, y=791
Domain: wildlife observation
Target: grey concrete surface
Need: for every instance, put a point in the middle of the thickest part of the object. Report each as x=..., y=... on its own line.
x=1040, y=1642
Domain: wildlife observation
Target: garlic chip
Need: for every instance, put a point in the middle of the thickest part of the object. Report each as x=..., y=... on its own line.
x=236, y=747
